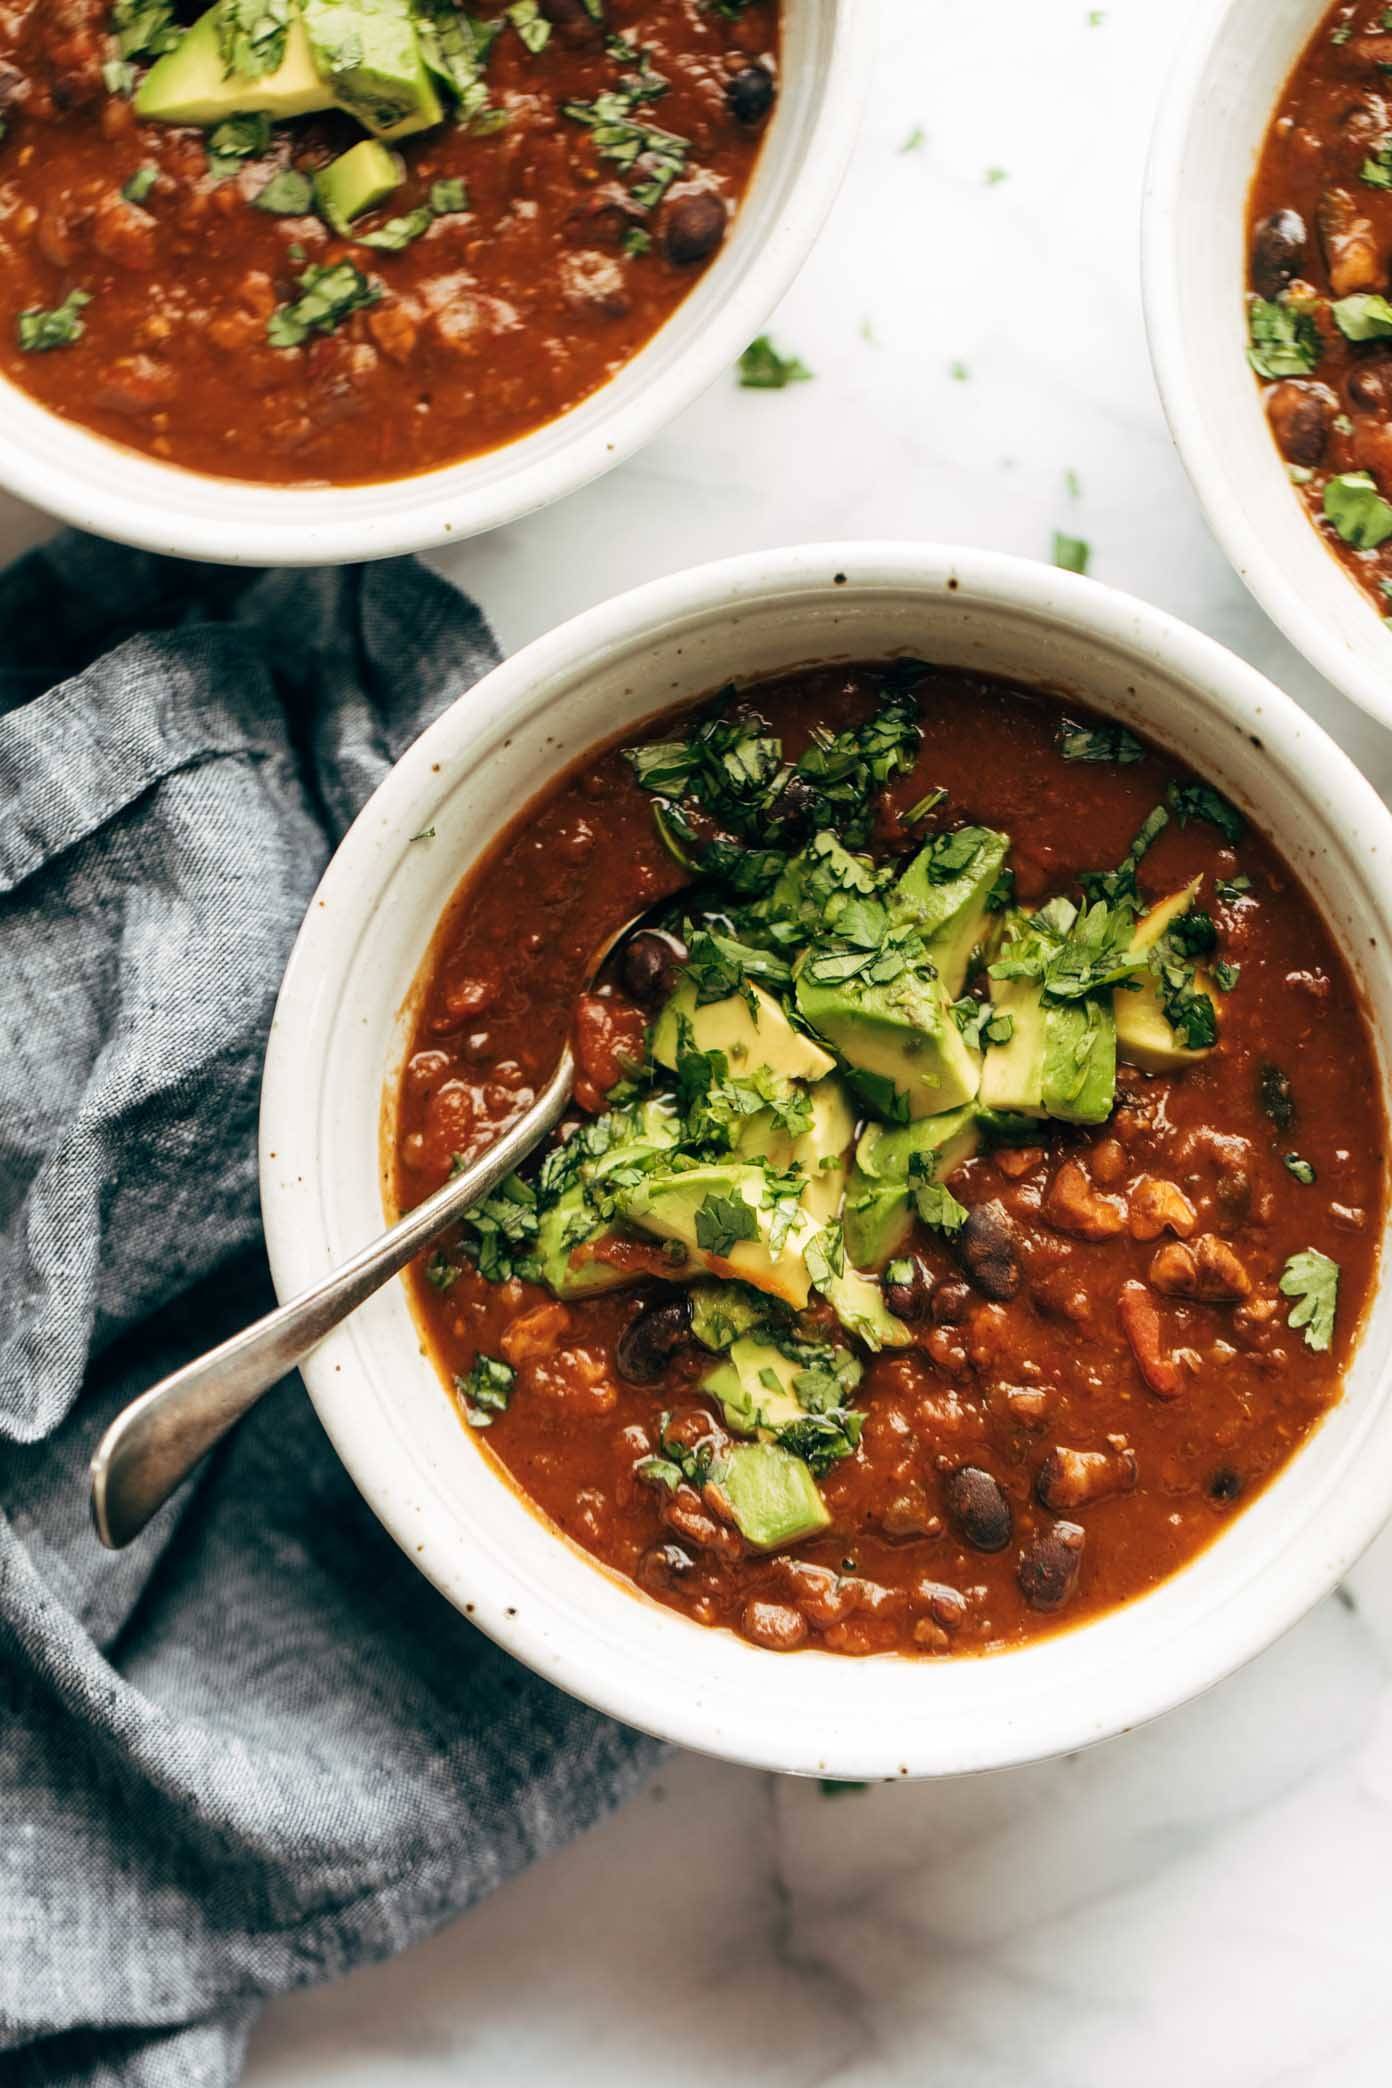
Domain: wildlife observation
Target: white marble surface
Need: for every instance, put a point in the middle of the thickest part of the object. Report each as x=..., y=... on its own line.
x=1207, y=1900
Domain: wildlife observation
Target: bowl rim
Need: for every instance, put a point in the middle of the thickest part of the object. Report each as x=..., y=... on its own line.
x=1178, y=379
x=1240, y=1623
x=427, y=510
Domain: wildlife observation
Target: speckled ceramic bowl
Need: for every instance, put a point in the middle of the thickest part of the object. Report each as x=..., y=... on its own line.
x=341, y=1030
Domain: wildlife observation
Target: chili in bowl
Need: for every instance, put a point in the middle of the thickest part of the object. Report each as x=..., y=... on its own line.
x=972, y=1206
x=1267, y=252
x=337, y=278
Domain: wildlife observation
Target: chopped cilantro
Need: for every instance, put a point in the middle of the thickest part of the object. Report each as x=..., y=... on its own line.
x=1190, y=801
x=238, y=138
x=1070, y=553
x=37, y=331
x=441, y=1272
x=916, y=140
x=981, y=1024
x=286, y=194
x=456, y=48
x=762, y=368
x=398, y=232
x=530, y=23
x=1301, y=1169
x=1312, y=1279
x=1284, y=339
x=499, y=1232
x=1225, y=975
x=1358, y=511
x=252, y=35
x=722, y=1221
x=938, y=1207
x=486, y=1391
x=1099, y=743
x=958, y=372
x=659, y=156
x=1376, y=170
x=994, y=176
x=1363, y=317
x=675, y=1464
x=449, y=195
x=144, y=28
x=327, y=297
x=821, y=1440
x=636, y=241
x=138, y=186
x=118, y=76
x=1230, y=888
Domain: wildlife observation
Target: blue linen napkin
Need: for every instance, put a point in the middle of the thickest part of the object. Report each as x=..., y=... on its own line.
x=256, y=1748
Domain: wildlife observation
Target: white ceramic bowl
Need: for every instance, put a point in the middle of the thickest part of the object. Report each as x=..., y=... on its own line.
x=1233, y=63
x=828, y=48
x=340, y=1029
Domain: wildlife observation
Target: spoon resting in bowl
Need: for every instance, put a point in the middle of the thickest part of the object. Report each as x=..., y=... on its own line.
x=154, y=1444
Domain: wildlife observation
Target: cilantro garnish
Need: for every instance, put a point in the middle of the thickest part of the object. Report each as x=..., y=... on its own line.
x=530, y=23
x=456, y=50
x=327, y=297
x=1099, y=743
x=722, y=1221
x=252, y=35
x=1363, y=317
x=38, y=331
x=286, y=194
x=821, y=1440
x=486, y=1391
x=500, y=1231
x=449, y=196
x=762, y=368
x=1070, y=553
x=138, y=185
x=938, y=1207
x=1284, y=339
x=1357, y=510
x=1274, y=1094
x=1312, y=1279
x=144, y=28
x=981, y=1024
x=1189, y=801
x=238, y=138
x=440, y=1271
x=1225, y=975
x=1230, y=888
x=675, y=1464
x=916, y=140
x=659, y=156
x=1301, y=1169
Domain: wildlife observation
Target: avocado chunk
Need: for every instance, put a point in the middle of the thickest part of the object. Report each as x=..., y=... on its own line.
x=945, y=891
x=370, y=55
x=719, y=1214
x=357, y=181
x=879, y=1207
x=191, y=83
x=859, y=1304
x=749, y=1027
x=821, y=1151
x=905, y=1053
x=722, y=1312
x=754, y=1386
x=570, y=1229
x=1061, y=1057
x=772, y=1495
x=1145, y=1037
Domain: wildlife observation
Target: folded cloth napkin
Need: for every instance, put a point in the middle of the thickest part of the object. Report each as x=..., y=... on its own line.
x=256, y=1748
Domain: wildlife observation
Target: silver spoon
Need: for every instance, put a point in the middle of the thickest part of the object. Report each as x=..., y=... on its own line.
x=153, y=1445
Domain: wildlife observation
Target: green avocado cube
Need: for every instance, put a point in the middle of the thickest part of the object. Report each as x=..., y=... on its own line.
x=879, y=1209
x=821, y=1151
x=719, y=1214
x=754, y=1386
x=899, y=1040
x=945, y=893
x=370, y=55
x=357, y=181
x=772, y=1495
x=191, y=83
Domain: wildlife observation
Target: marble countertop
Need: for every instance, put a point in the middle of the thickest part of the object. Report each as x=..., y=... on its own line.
x=1208, y=1899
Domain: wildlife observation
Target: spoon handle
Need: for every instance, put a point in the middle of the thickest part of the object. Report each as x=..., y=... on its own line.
x=153, y=1445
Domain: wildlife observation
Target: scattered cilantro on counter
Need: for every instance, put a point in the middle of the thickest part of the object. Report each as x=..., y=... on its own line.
x=762, y=368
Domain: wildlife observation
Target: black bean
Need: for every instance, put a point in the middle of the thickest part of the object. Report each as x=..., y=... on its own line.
x=951, y=1304
x=1225, y=1485
x=1049, y=1565
x=750, y=94
x=574, y=25
x=978, y=1508
x=649, y=967
x=908, y=1287
x=1278, y=251
x=1301, y=416
x=650, y=1340
x=693, y=227
x=987, y=1247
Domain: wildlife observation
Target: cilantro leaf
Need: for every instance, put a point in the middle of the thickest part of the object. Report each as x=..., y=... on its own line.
x=630, y=144
x=286, y=194
x=500, y=1230
x=486, y=1391
x=1363, y=317
x=762, y=368
x=328, y=296
x=721, y=1221
x=38, y=331
x=1284, y=339
x=1098, y=743
x=252, y=35
x=1274, y=1094
x=939, y=1208
x=1313, y=1279
x=1070, y=553
x=1357, y=510
x=1189, y=801
x=138, y=185
x=1301, y=1169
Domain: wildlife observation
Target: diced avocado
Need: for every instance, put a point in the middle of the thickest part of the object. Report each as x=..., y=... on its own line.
x=369, y=53
x=949, y=908
x=1012, y=1075
x=1061, y=1057
x=879, y=1210
x=191, y=84
x=693, y=1205
x=722, y=1312
x=772, y=1495
x=754, y=1385
x=901, y=1036
x=859, y=1304
x=1080, y=1050
x=821, y=1151
x=1143, y=1033
x=570, y=1223
x=357, y=181
x=749, y=1036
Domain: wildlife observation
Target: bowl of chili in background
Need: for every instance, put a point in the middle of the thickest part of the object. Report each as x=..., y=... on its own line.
x=1216, y=171
x=349, y=1009
x=594, y=334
